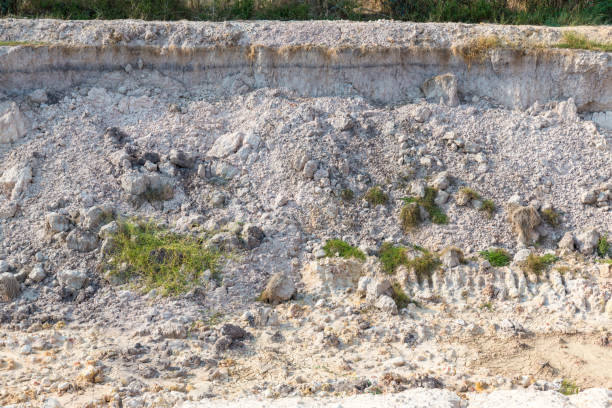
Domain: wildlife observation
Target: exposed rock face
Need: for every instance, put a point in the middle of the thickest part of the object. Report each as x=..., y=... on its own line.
x=331, y=274
x=587, y=241
x=280, y=288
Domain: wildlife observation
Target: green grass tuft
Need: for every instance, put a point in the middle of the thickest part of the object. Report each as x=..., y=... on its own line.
x=538, y=264
x=470, y=193
x=568, y=388
x=496, y=257
x=552, y=217
x=392, y=257
x=410, y=216
x=488, y=206
x=375, y=196
x=603, y=246
x=402, y=300
x=161, y=259
x=337, y=247
x=427, y=202
x=347, y=194
x=574, y=40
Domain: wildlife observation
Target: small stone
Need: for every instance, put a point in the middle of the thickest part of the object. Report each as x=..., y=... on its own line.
x=310, y=168
x=386, y=304
x=233, y=331
x=38, y=96
x=441, y=197
x=442, y=88
x=588, y=197
x=567, y=242
x=57, y=223
x=37, y=274
x=252, y=236
x=181, y=159
x=72, y=279
x=521, y=256
x=218, y=199
x=441, y=181
x=225, y=145
x=280, y=288
x=82, y=241
x=451, y=257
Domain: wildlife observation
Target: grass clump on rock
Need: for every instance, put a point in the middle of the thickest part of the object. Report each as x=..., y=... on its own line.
x=375, y=196
x=538, y=264
x=574, y=40
x=488, y=206
x=551, y=216
x=161, y=259
x=496, y=257
x=337, y=247
x=402, y=300
x=603, y=246
x=392, y=257
x=568, y=388
x=424, y=265
x=410, y=215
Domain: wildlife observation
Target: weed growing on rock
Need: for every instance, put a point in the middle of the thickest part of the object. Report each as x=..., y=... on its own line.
x=496, y=257
x=392, y=257
x=375, y=196
x=487, y=305
x=399, y=296
x=347, y=194
x=161, y=259
x=572, y=39
x=538, y=264
x=427, y=202
x=337, y=247
x=410, y=216
x=488, y=206
x=424, y=265
x=603, y=246
x=552, y=217
x=568, y=388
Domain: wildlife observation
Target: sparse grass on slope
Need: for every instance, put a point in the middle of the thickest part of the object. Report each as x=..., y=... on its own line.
x=574, y=40
x=337, y=247
x=161, y=259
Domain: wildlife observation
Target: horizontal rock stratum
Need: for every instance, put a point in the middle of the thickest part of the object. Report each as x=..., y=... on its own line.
x=383, y=61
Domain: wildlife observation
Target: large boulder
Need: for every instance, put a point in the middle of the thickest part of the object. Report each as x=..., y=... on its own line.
x=12, y=124
x=57, y=222
x=15, y=180
x=587, y=241
x=280, y=288
x=331, y=274
x=82, y=241
x=72, y=279
x=442, y=88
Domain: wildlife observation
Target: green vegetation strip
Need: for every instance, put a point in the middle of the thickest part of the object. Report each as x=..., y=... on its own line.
x=160, y=259
x=574, y=40
x=337, y=247
x=537, y=12
x=409, y=215
x=496, y=257
x=393, y=257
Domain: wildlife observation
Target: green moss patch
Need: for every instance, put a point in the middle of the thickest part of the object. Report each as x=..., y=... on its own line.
x=337, y=247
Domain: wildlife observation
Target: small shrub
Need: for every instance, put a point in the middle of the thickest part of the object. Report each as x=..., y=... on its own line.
x=375, y=196
x=551, y=217
x=487, y=305
x=428, y=202
x=424, y=265
x=171, y=262
x=488, y=206
x=470, y=193
x=392, y=257
x=399, y=296
x=603, y=246
x=496, y=257
x=568, y=388
x=410, y=216
x=538, y=264
x=337, y=247
x=347, y=194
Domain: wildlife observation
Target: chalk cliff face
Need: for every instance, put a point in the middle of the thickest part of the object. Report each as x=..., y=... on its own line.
x=386, y=63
